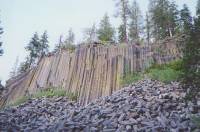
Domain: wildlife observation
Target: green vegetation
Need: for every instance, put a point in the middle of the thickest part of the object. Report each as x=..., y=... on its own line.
x=196, y=121
x=48, y=93
x=164, y=73
x=130, y=78
x=70, y=47
x=19, y=101
x=191, y=60
x=1, y=50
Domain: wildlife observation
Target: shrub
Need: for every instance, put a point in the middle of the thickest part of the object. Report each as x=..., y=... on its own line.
x=130, y=78
x=19, y=101
x=166, y=72
x=70, y=47
x=176, y=65
x=165, y=75
x=49, y=93
x=196, y=121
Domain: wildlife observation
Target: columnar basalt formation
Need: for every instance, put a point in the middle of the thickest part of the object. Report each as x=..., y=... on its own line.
x=91, y=71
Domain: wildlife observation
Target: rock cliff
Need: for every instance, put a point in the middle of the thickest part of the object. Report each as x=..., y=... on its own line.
x=91, y=71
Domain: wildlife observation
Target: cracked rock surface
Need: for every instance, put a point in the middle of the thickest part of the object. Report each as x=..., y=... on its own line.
x=146, y=106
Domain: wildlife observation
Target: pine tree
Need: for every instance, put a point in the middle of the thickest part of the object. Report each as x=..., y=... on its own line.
x=1, y=50
x=34, y=49
x=123, y=12
x=173, y=17
x=198, y=8
x=135, y=26
x=191, y=60
x=24, y=66
x=164, y=16
x=148, y=28
x=70, y=37
x=185, y=19
x=44, y=47
x=59, y=45
x=105, y=31
x=14, y=71
x=91, y=34
x=121, y=34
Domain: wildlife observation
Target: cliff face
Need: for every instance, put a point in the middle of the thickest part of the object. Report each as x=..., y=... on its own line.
x=90, y=71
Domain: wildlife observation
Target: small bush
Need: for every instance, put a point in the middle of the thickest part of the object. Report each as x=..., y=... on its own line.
x=165, y=75
x=196, y=121
x=176, y=65
x=48, y=93
x=51, y=92
x=72, y=96
x=70, y=47
x=130, y=78
x=19, y=101
x=166, y=72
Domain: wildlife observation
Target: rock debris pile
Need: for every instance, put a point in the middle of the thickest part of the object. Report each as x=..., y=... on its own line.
x=147, y=106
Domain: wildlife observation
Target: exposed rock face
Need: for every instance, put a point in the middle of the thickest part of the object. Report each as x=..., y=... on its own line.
x=145, y=106
x=90, y=71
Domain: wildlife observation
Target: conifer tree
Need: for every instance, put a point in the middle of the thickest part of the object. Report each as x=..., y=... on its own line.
x=198, y=7
x=14, y=71
x=164, y=15
x=1, y=50
x=44, y=47
x=70, y=37
x=24, y=66
x=148, y=28
x=135, y=26
x=185, y=19
x=34, y=49
x=191, y=61
x=121, y=34
x=91, y=34
x=105, y=31
x=123, y=12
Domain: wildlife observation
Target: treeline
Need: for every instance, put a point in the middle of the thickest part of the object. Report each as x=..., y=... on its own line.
x=191, y=59
x=163, y=19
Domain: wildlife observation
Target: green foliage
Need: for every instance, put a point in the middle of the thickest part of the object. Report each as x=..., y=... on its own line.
x=196, y=121
x=185, y=19
x=191, y=63
x=105, y=31
x=37, y=47
x=70, y=47
x=122, y=34
x=70, y=38
x=164, y=15
x=123, y=12
x=44, y=47
x=198, y=8
x=48, y=93
x=166, y=72
x=1, y=50
x=136, y=25
x=130, y=78
x=165, y=75
x=175, y=65
x=20, y=100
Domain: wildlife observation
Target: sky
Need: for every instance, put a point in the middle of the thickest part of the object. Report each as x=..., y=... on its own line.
x=20, y=19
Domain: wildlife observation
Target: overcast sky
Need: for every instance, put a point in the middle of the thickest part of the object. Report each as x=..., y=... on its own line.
x=21, y=18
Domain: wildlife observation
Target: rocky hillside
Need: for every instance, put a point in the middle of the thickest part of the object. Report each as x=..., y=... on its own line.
x=91, y=71
x=144, y=107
